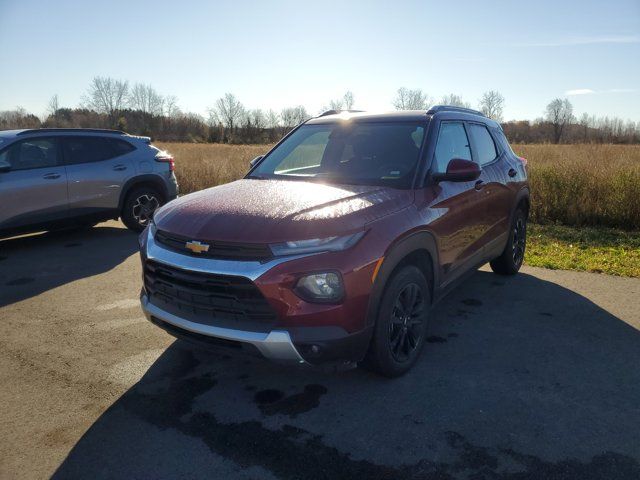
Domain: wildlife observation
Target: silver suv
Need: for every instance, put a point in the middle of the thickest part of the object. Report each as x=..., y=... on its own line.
x=61, y=177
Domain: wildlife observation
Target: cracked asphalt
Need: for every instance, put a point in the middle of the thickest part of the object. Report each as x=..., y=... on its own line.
x=529, y=377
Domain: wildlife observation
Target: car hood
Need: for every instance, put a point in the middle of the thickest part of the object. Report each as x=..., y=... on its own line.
x=270, y=211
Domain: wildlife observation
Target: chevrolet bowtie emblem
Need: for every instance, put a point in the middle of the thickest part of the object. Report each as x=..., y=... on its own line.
x=197, y=247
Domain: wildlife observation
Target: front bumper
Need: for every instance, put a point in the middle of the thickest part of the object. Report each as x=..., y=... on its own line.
x=275, y=345
x=302, y=333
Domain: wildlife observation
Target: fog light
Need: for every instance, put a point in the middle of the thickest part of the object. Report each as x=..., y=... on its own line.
x=321, y=287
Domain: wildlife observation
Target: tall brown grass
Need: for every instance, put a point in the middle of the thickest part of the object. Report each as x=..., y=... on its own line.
x=570, y=184
x=584, y=184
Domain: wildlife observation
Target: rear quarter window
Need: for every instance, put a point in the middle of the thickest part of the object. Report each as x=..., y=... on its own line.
x=484, y=144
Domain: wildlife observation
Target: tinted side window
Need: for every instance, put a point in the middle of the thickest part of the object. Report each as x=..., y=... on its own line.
x=88, y=149
x=120, y=147
x=33, y=153
x=452, y=143
x=484, y=143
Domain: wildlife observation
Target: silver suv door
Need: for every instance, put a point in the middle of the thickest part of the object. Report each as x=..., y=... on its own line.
x=97, y=168
x=33, y=185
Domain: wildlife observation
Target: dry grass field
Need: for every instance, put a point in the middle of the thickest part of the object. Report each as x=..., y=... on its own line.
x=577, y=185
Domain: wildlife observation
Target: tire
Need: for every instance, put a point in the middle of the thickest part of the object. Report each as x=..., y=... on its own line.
x=510, y=261
x=400, y=328
x=139, y=206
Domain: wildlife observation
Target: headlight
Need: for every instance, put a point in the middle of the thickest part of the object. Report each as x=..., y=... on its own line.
x=320, y=287
x=329, y=244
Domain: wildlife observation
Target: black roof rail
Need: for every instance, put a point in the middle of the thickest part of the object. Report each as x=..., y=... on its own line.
x=452, y=108
x=335, y=112
x=63, y=130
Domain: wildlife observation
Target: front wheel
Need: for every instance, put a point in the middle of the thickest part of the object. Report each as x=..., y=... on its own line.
x=510, y=261
x=139, y=207
x=401, y=325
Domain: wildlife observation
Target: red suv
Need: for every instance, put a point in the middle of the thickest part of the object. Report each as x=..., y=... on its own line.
x=336, y=244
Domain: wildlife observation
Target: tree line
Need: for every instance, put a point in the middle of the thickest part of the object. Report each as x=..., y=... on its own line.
x=140, y=109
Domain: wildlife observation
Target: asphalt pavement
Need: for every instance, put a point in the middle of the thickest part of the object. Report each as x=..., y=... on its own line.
x=528, y=377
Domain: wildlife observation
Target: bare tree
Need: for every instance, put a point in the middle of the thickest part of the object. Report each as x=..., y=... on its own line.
x=228, y=110
x=454, y=100
x=257, y=119
x=293, y=116
x=348, y=100
x=146, y=99
x=492, y=105
x=407, y=99
x=106, y=95
x=272, y=119
x=585, y=121
x=53, y=106
x=171, y=108
x=559, y=114
x=343, y=103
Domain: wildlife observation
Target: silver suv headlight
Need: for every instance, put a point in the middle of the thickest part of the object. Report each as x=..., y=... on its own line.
x=328, y=244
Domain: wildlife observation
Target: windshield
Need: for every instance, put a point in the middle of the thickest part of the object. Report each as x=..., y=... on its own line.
x=347, y=153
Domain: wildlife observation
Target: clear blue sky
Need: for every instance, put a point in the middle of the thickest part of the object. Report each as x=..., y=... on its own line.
x=282, y=53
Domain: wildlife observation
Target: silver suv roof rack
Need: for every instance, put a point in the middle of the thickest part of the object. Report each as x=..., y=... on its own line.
x=452, y=108
x=63, y=130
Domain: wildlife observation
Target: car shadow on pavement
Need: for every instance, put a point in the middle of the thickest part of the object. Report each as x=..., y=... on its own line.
x=520, y=379
x=30, y=265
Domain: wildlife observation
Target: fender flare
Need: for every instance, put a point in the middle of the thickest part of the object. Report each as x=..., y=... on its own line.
x=402, y=248
x=523, y=194
x=138, y=181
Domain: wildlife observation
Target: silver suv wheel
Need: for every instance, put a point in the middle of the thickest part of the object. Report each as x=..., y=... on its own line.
x=143, y=208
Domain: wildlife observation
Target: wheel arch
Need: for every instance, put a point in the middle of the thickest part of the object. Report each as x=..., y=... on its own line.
x=417, y=249
x=148, y=180
x=522, y=200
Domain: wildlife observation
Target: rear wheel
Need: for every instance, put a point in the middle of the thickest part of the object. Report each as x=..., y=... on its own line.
x=510, y=261
x=400, y=328
x=139, y=207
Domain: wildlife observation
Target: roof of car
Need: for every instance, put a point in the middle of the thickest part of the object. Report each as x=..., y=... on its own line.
x=445, y=111
x=10, y=133
x=400, y=115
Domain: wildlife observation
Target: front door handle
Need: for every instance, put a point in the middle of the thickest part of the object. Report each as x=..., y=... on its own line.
x=479, y=185
x=512, y=172
x=51, y=176
x=120, y=167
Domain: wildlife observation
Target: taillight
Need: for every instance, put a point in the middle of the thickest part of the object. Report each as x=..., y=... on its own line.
x=167, y=159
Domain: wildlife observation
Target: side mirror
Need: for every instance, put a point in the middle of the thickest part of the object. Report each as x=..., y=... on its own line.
x=4, y=166
x=459, y=170
x=253, y=162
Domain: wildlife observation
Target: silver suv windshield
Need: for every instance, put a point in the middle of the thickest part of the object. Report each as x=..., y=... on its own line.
x=347, y=153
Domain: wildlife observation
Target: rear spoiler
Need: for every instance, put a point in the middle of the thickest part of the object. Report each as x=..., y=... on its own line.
x=146, y=140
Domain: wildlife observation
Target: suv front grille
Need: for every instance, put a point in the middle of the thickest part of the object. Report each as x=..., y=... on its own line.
x=220, y=250
x=206, y=298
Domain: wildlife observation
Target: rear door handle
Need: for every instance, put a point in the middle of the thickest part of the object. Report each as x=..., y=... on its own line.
x=120, y=167
x=51, y=176
x=512, y=172
x=479, y=185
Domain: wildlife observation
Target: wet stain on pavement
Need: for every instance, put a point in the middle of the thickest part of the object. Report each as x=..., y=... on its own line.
x=293, y=405
x=436, y=339
x=73, y=244
x=546, y=314
x=472, y=302
x=20, y=281
x=265, y=397
x=292, y=453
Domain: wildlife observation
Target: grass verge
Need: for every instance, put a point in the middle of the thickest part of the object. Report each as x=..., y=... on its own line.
x=600, y=250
